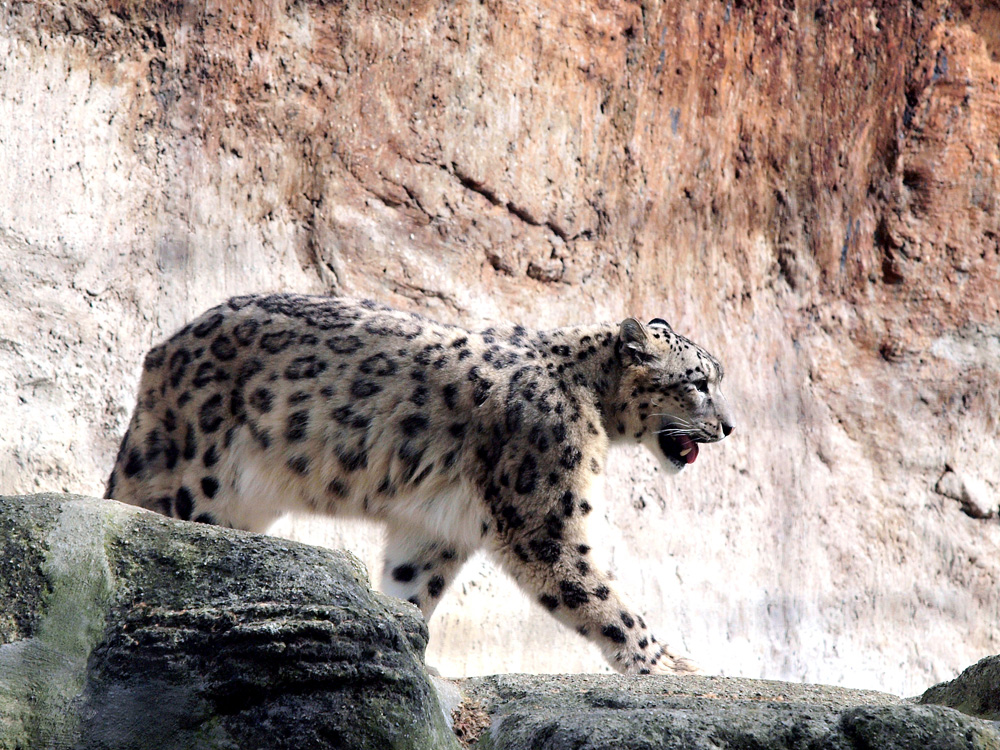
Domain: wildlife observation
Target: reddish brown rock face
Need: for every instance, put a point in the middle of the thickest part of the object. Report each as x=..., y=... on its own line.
x=809, y=189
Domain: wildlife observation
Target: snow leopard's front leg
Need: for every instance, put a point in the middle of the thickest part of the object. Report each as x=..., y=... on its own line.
x=553, y=564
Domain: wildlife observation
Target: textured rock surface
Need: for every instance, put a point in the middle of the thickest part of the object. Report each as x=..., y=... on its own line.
x=605, y=712
x=132, y=631
x=808, y=188
x=976, y=691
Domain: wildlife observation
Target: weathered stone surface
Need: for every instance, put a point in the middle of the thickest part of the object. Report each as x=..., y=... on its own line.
x=976, y=498
x=139, y=632
x=663, y=713
x=806, y=187
x=135, y=631
x=976, y=691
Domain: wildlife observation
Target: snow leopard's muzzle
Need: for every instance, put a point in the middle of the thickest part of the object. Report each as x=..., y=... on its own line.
x=679, y=444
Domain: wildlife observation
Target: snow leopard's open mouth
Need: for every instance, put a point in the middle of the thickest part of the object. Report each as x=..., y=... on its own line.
x=680, y=449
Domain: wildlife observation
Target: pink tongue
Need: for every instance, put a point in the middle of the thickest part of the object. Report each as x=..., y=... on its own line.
x=686, y=444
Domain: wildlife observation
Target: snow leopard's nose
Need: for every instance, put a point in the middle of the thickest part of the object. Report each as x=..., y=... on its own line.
x=723, y=414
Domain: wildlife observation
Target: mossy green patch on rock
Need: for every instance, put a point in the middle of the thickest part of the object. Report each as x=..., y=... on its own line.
x=158, y=633
x=24, y=524
x=41, y=675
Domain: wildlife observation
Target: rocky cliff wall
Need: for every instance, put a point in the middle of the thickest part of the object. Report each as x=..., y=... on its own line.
x=808, y=188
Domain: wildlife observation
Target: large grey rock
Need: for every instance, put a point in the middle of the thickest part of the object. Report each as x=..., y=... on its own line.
x=596, y=712
x=122, y=629
x=976, y=691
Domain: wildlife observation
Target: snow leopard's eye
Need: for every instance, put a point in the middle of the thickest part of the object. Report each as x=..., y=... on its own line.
x=701, y=385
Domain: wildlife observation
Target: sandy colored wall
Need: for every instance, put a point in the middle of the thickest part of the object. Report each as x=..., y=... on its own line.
x=806, y=188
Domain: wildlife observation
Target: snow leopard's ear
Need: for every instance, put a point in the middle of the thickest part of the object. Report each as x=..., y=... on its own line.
x=633, y=342
x=660, y=322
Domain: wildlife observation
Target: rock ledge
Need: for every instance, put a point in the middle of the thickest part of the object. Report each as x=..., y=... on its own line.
x=598, y=712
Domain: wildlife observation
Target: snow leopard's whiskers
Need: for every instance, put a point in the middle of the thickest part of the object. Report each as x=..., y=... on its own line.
x=678, y=426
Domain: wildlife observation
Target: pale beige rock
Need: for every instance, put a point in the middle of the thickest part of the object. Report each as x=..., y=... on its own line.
x=978, y=499
x=809, y=191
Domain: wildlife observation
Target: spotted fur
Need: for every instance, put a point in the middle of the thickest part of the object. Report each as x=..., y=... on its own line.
x=456, y=440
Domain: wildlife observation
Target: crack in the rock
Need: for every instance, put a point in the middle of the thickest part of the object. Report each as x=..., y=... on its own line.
x=521, y=213
x=420, y=293
x=416, y=202
x=314, y=251
x=471, y=184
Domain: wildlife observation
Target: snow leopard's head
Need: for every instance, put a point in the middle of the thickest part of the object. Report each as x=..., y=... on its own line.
x=670, y=397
